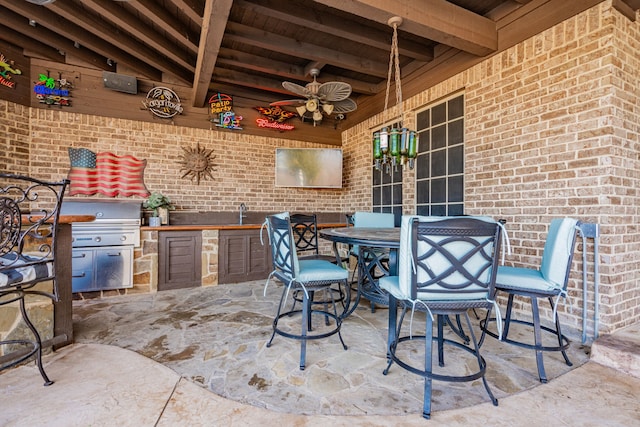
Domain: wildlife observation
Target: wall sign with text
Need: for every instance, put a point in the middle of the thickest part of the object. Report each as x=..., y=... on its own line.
x=163, y=102
x=221, y=110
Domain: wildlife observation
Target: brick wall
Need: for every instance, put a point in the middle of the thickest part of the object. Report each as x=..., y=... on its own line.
x=14, y=137
x=244, y=164
x=551, y=130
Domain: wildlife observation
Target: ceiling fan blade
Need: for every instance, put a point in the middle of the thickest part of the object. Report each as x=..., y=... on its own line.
x=296, y=88
x=345, y=106
x=334, y=91
x=288, y=102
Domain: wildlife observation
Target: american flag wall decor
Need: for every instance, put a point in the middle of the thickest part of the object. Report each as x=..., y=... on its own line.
x=106, y=173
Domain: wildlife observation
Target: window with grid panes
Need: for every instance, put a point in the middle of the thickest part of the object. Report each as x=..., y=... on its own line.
x=440, y=161
x=387, y=191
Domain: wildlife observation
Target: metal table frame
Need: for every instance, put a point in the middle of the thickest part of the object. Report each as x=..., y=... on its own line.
x=370, y=258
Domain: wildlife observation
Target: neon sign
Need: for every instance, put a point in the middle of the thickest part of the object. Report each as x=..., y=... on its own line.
x=221, y=108
x=229, y=120
x=266, y=123
x=7, y=70
x=53, y=92
x=220, y=103
x=275, y=118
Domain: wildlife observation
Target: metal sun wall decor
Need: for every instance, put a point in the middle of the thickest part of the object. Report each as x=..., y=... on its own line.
x=197, y=163
x=163, y=102
x=221, y=110
x=8, y=68
x=53, y=91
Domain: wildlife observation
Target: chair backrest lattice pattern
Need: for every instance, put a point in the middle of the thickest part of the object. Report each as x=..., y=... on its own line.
x=29, y=215
x=305, y=232
x=283, y=252
x=449, y=259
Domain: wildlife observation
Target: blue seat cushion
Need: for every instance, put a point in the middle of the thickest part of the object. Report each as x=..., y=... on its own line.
x=524, y=279
x=391, y=284
x=12, y=274
x=312, y=270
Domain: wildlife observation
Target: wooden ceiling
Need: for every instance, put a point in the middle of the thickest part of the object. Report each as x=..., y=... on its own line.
x=248, y=47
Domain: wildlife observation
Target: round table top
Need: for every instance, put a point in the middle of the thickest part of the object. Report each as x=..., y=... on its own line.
x=379, y=237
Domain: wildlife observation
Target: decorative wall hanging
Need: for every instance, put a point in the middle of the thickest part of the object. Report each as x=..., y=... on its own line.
x=6, y=72
x=50, y=91
x=197, y=163
x=274, y=118
x=221, y=110
x=163, y=102
x=106, y=173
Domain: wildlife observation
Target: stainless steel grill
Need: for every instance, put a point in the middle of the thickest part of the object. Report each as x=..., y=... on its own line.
x=103, y=249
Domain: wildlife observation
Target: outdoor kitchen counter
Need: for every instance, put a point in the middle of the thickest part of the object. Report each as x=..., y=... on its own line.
x=192, y=227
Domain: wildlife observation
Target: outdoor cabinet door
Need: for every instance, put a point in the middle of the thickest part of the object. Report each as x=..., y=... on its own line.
x=242, y=257
x=179, y=259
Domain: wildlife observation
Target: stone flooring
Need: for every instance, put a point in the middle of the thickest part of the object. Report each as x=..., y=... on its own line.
x=216, y=337
x=195, y=333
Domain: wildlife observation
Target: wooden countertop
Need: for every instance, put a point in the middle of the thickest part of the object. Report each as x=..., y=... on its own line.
x=223, y=227
x=64, y=219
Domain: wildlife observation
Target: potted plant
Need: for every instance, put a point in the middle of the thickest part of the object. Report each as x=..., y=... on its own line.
x=157, y=202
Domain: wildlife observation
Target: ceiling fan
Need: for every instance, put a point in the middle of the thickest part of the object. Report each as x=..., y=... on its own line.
x=327, y=98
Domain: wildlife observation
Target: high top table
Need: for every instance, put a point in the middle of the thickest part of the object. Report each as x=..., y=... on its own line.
x=374, y=244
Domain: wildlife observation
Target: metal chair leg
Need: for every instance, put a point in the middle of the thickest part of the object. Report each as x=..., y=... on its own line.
x=428, y=364
x=38, y=342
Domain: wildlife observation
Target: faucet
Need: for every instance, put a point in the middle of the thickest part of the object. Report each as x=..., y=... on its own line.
x=243, y=209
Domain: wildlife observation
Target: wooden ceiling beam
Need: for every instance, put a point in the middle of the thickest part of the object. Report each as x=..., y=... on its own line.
x=251, y=81
x=50, y=19
x=269, y=41
x=45, y=42
x=234, y=58
x=624, y=8
x=437, y=20
x=214, y=20
x=193, y=9
x=284, y=70
x=110, y=34
x=252, y=96
x=152, y=10
x=345, y=29
x=119, y=16
x=11, y=36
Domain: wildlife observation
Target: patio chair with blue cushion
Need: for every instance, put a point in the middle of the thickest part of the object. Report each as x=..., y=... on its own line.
x=547, y=282
x=372, y=263
x=29, y=212
x=305, y=235
x=446, y=266
x=307, y=276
